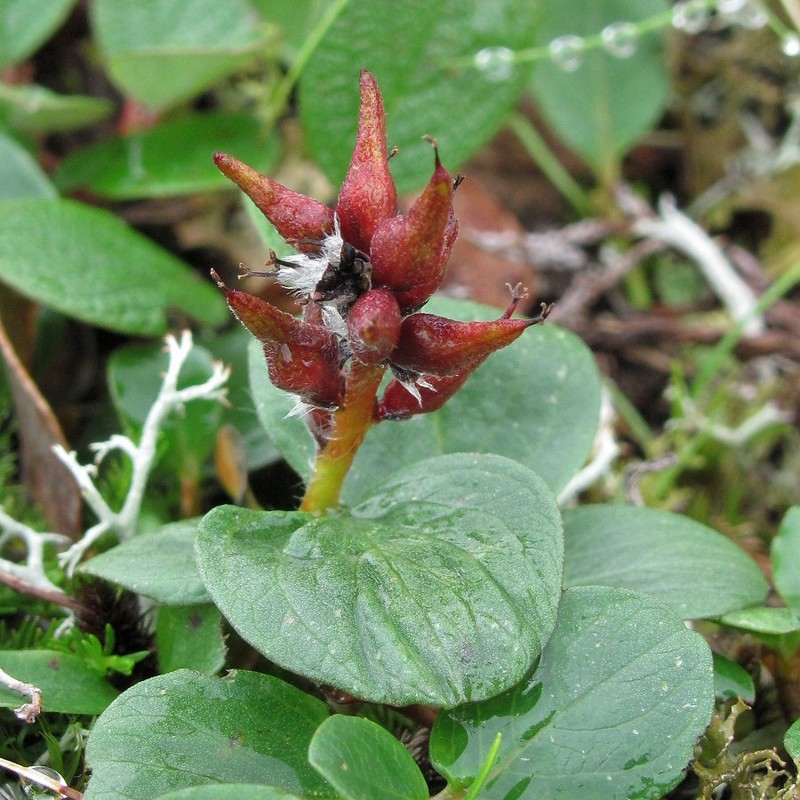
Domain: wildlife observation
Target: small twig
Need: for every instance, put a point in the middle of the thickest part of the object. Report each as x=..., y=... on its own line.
x=635, y=472
x=21, y=586
x=589, y=286
x=555, y=250
x=27, y=712
x=676, y=229
x=32, y=774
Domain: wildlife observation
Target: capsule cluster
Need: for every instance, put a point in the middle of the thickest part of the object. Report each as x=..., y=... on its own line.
x=362, y=272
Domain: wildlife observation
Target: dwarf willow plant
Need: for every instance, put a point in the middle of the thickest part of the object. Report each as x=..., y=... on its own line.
x=428, y=567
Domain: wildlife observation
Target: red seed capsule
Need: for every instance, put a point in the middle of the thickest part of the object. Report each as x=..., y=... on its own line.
x=373, y=326
x=295, y=216
x=439, y=346
x=301, y=358
x=399, y=403
x=368, y=195
x=409, y=253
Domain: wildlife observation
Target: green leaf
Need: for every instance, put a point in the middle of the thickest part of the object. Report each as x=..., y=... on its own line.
x=230, y=791
x=27, y=24
x=231, y=348
x=160, y=565
x=764, y=620
x=363, y=761
x=161, y=52
x=35, y=109
x=171, y=159
x=439, y=589
x=190, y=637
x=68, y=684
x=88, y=264
x=732, y=681
x=792, y=740
x=295, y=18
x=785, y=553
x=427, y=77
x=690, y=567
x=184, y=729
x=20, y=175
x=135, y=376
x=604, y=106
x=612, y=712
x=536, y=402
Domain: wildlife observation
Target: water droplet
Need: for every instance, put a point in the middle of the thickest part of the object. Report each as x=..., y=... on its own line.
x=751, y=16
x=790, y=45
x=38, y=792
x=730, y=6
x=690, y=16
x=620, y=38
x=566, y=52
x=496, y=63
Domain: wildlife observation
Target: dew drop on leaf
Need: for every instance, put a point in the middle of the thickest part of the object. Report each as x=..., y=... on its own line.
x=496, y=63
x=39, y=792
x=751, y=16
x=620, y=39
x=730, y=6
x=566, y=52
x=790, y=45
x=690, y=16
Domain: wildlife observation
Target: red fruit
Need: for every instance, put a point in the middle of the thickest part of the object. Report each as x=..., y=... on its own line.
x=295, y=216
x=399, y=403
x=409, y=253
x=302, y=358
x=437, y=346
x=373, y=326
x=368, y=195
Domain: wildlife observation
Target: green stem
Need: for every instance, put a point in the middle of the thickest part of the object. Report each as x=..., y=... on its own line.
x=552, y=168
x=280, y=98
x=350, y=424
x=719, y=355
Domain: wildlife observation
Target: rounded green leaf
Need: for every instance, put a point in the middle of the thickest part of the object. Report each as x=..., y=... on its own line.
x=231, y=348
x=536, y=402
x=764, y=620
x=621, y=694
x=360, y=759
x=69, y=685
x=792, y=740
x=190, y=637
x=732, y=681
x=690, y=567
x=441, y=588
x=230, y=791
x=27, y=24
x=160, y=565
x=184, y=729
x=171, y=159
x=601, y=108
x=36, y=109
x=20, y=175
x=161, y=52
x=88, y=264
x=785, y=553
x=427, y=76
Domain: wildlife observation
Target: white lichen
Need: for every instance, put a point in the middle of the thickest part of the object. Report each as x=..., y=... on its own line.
x=142, y=455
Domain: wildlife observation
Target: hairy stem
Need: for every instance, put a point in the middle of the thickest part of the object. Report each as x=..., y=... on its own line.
x=350, y=424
